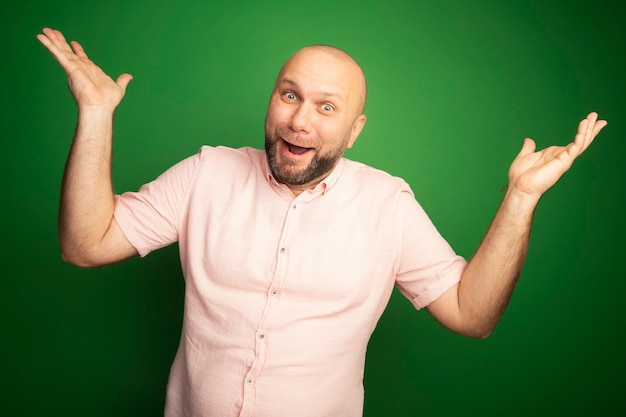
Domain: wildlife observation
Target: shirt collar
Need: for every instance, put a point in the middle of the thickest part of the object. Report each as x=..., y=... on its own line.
x=322, y=188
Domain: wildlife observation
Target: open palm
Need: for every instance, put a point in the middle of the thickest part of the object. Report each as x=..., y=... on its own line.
x=89, y=85
x=533, y=173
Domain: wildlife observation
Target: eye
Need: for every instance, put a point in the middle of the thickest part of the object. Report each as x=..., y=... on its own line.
x=290, y=96
x=327, y=107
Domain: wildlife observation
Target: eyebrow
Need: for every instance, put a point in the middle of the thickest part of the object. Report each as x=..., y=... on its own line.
x=324, y=93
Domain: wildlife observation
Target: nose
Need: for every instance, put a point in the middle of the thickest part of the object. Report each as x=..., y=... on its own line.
x=301, y=118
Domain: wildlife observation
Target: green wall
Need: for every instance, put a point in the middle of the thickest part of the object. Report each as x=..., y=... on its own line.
x=454, y=88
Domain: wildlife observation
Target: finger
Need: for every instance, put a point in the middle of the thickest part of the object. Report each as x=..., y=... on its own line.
x=50, y=33
x=594, y=126
x=54, y=34
x=123, y=80
x=573, y=150
x=54, y=41
x=591, y=122
x=58, y=40
x=44, y=40
x=581, y=131
x=581, y=139
x=78, y=50
x=51, y=47
x=593, y=132
x=528, y=147
x=47, y=37
x=588, y=129
x=600, y=124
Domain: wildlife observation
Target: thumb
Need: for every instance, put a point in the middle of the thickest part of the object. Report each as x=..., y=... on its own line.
x=528, y=147
x=123, y=80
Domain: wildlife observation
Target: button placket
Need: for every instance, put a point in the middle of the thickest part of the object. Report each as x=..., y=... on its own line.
x=274, y=293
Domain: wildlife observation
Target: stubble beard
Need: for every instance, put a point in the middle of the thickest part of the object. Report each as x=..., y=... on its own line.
x=319, y=166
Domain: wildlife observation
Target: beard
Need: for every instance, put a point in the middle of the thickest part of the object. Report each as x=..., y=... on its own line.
x=319, y=166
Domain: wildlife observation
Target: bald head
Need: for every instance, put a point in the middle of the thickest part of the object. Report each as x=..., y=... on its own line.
x=336, y=65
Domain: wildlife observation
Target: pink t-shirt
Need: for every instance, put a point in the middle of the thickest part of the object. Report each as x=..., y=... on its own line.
x=282, y=294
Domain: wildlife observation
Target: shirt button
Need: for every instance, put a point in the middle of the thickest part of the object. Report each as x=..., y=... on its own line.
x=293, y=207
x=274, y=292
x=262, y=336
x=282, y=250
x=250, y=381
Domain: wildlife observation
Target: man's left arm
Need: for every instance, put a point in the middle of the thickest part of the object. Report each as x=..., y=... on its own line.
x=474, y=306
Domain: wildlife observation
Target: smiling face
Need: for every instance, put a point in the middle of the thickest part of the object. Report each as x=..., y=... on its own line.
x=314, y=115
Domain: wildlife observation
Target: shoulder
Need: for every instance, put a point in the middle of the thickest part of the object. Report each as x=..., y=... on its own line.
x=224, y=153
x=364, y=178
x=222, y=159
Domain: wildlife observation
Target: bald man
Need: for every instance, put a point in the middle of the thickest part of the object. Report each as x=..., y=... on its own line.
x=290, y=254
x=304, y=140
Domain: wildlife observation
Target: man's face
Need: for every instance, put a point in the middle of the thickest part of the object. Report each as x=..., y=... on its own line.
x=314, y=114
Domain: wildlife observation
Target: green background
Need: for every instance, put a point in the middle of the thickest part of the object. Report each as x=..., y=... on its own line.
x=454, y=88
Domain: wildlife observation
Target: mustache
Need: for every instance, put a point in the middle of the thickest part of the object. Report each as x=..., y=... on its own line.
x=287, y=135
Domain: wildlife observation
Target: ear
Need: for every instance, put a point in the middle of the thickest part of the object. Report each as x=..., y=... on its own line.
x=357, y=127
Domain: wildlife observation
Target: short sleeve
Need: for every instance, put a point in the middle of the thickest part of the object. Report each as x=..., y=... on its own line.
x=428, y=264
x=150, y=217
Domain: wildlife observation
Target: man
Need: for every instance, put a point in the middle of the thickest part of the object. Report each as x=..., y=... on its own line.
x=289, y=255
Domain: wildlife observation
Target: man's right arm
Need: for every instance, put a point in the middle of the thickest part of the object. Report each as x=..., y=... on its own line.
x=88, y=232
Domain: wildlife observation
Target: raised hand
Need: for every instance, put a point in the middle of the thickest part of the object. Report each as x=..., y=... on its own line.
x=89, y=85
x=476, y=304
x=533, y=173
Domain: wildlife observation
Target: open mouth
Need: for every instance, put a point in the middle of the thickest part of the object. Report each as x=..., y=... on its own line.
x=295, y=149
